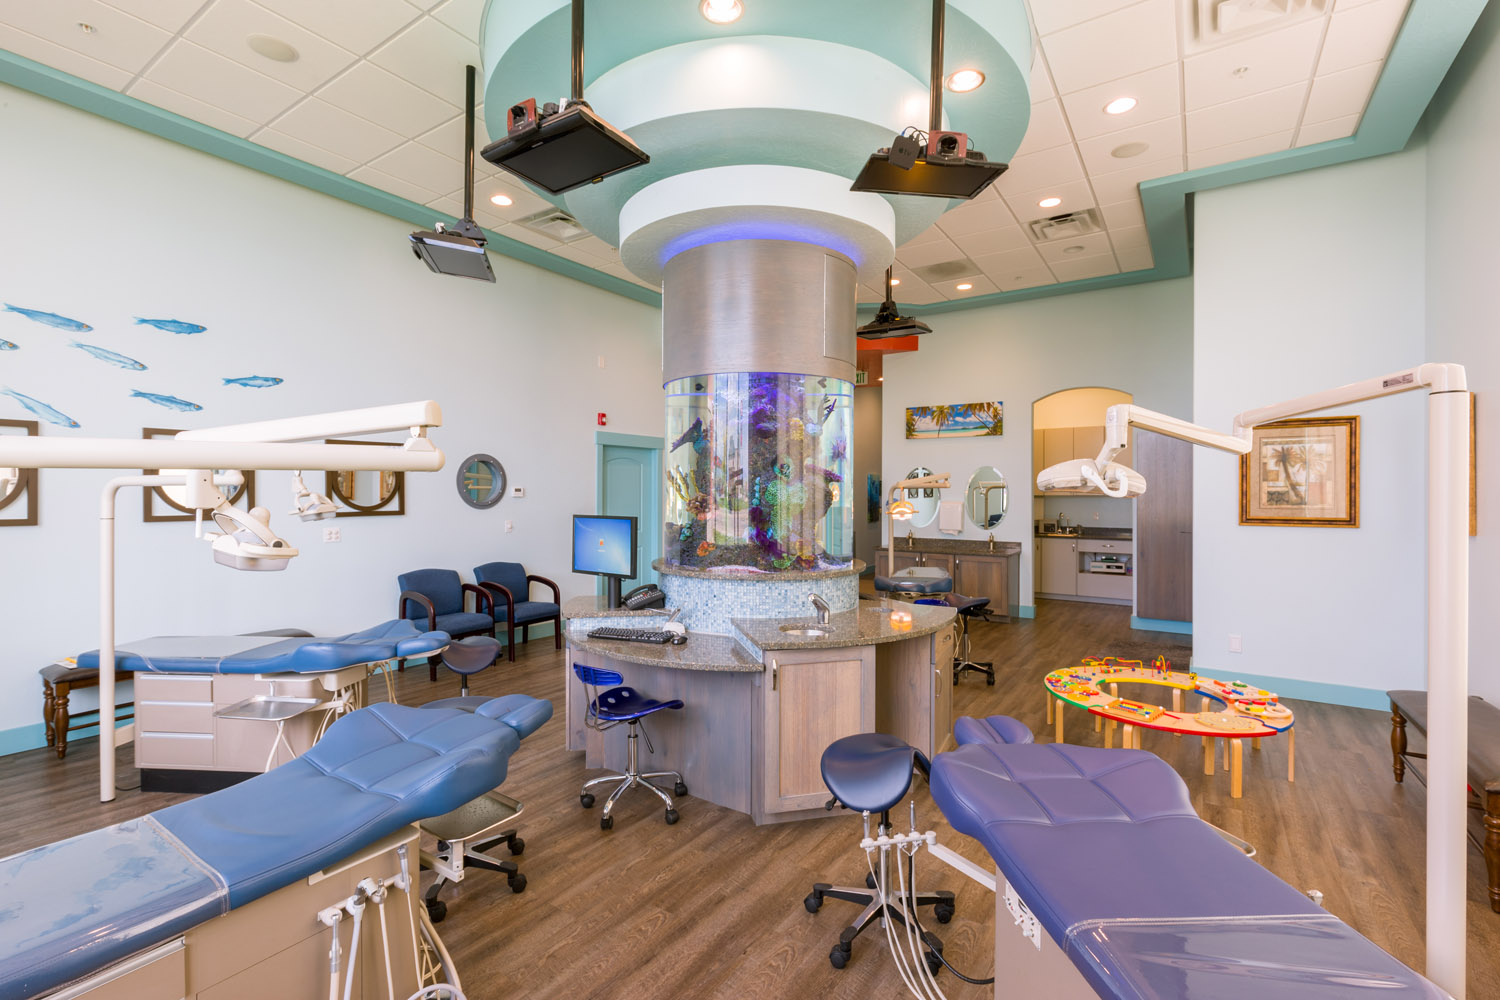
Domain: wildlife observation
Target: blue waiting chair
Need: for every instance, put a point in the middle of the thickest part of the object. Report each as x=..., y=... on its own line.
x=608, y=709
x=437, y=596
x=509, y=585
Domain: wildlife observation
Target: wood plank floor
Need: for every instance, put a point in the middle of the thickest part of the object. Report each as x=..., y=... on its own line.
x=712, y=907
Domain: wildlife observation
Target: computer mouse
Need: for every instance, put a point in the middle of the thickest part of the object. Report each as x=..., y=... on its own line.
x=676, y=628
x=678, y=640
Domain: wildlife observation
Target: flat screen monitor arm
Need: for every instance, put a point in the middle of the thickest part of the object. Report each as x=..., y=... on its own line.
x=1448, y=415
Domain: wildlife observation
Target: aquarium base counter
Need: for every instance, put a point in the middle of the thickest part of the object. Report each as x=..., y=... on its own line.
x=756, y=718
x=712, y=599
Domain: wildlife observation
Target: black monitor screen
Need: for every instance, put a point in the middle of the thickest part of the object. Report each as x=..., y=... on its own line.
x=942, y=180
x=604, y=545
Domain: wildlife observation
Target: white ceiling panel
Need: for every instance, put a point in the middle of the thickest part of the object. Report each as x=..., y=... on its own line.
x=1123, y=185
x=976, y=245
x=1235, y=151
x=978, y=285
x=1026, y=206
x=531, y=238
x=1161, y=138
x=395, y=185
x=1262, y=114
x=1027, y=279
x=1039, y=82
x=337, y=130
x=975, y=217
x=191, y=107
x=213, y=79
x=463, y=16
x=1361, y=35
x=356, y=25
x=227, y=25
x=523, y=201
x=918, y=294
x=1123, y=214
x=1157, y=92
x=1266, y=62
x=1123, y=43
x=1129, y=237
x=1079, y=268
x=448, y=139
x=378, y=96
x=1135, y=259
x=1047, y=128
x=594, y=245
x=1338, y=128
x=305, y=151
x=935, y=252
x=932, y=234
x=427, y=168
x=23, y=43
x=1054, y=15
x=432, y=56
x=1063, y=251
x=168, y=14
x=449, y=206
x=117, y=39
x=1006, y=266
x=1341, y=94
x=1051, y=166
x=577, y=256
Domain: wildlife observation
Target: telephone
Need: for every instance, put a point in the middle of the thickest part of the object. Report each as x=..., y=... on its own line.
x=645, y=596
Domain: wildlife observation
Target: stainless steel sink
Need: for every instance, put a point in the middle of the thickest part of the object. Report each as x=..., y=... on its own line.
x=805, y=630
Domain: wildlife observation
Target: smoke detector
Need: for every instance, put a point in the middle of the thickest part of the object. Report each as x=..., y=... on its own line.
x=555, y=224
x=1065, y=227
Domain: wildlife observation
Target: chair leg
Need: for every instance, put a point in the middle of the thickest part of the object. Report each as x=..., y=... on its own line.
x=510, y=641
x=432, y=669
x=557, y=631
x=525, y=633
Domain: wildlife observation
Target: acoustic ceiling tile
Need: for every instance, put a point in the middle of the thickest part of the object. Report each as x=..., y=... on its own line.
x=1338, y=128
x=528, y=236
x=1123, y=214
x=1244, y=150
x=1135, y=259
x=416, y=164
x=975, y=245
x=1074, y=248
x=1341, y=94
x=523, y=202
x=337, y=130
x=1051, y=166
x=1027, y=279
x=227, y=25
x=1249, y=117
x=356, y=25
x=1102, y=154
x=24, y=43
x=222, y=83
x=1129, y=237
x=1119, y=44
x=1077, y=269
x=1054, y=15
x=1123, y=185
x=168, y=14
x=1047, y=128
x=1157, y=93
x=387, y=100
x=1361, y=35
x=1073, y=197
x=973, y=218
x=432, y=56
x=932, y=234
x=463, y=16
x=191, y=107
x=394, y=185
x=978, y=285
x=305, y=151
x=936, y=252
x=1255, y=65
x=117, y=38
x=1003, y=266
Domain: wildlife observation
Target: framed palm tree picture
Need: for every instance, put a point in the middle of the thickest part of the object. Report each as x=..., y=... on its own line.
x=1302, y=472
x=956, y=420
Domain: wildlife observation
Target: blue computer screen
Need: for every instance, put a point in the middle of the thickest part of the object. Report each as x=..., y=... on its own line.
x=604, y=545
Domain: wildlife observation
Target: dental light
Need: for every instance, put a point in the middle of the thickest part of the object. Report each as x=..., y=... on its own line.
x=310, y=506
x=458, y=250
x=247, y=542
x=901, y=509
x=1447, y=516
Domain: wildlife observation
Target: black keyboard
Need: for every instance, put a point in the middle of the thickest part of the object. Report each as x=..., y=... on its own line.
x=655, y=635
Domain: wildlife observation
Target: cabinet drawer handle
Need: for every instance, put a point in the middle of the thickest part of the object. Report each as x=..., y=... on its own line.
x=773, y=675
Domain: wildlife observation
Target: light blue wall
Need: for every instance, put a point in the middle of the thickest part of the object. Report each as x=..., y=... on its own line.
x=108, y=223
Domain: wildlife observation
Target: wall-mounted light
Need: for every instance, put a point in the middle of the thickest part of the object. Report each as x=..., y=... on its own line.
x=964, y=80
x=722, y=11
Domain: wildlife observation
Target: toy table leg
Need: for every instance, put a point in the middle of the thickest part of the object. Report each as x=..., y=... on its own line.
x=1291, y=754
x=1050, y=705
x=1208, y=755
x=1059, y=713
x=1127, y=736
x=1177, y=707
x=1255, y=743
x=1098, y=723
x=1236, y=768
x=1109, y=734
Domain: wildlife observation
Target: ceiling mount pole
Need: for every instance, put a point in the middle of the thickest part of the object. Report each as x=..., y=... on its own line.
x=577, y=89
x=935, y=117
x=469, y=72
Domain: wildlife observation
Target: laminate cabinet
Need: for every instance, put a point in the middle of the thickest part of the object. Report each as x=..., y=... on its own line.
x=984, y=576
x=914, y=691
x=812, y=697
x=1164, y=529
x=1059, y=566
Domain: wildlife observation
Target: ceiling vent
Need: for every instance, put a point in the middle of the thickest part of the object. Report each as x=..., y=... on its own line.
x=1065, y=227
x=1221, y=21
x=555, y=224
x=947, y=270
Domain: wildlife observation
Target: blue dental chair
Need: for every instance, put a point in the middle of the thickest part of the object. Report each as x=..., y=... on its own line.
x=509, y=587
x=608, y=709
x=437, y=595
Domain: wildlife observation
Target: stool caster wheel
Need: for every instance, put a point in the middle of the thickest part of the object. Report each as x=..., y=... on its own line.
x=869, y=881
x=989, y=682
x=672, y=816
x=814, y=902
x=839, y=956
x=586, y=800
x=606, y=822
x=934, y=964
x=943, y=913
x=679, y=790
x=517, y=882
x=955, y=680
x=517, y=845
x=436, y=910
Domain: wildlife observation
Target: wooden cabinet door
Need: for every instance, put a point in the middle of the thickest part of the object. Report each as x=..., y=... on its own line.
x=812, y=697
x=905, y=557
x=984, y=576
x=1057, y=445
x=943, y=645
x=1164, y=529
x=1059, y=566
x=938, y=560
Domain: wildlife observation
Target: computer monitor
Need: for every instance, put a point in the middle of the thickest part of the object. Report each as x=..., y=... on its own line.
x=604, y=545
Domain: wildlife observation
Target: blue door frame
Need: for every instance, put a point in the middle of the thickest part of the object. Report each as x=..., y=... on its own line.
x=651, y=450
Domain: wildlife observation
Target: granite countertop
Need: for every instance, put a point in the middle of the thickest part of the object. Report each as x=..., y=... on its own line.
x=867, y=625
x=702, y=651
x=598, y=607
x=853, y=569
x=1108, y=534
x=959, y=546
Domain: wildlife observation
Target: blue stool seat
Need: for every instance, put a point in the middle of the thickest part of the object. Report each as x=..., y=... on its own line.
x=870, y=772
x=609, y=708
x=914, y=585
x=622, y=704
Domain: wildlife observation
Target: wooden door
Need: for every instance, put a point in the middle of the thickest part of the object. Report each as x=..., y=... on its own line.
x=1059, y=566
x=812, y=697
x=1164, y=529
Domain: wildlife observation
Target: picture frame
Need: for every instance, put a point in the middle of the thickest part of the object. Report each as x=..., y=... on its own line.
x=18, y=507
x=986, y=419
x=158, y=506
x=1302, y=473
x=365, y=493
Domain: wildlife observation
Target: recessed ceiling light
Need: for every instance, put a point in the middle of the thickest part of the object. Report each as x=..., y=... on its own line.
x=1119, y=105
x=722, y=11
x=1129, y=149
x=86, y=28
x=272, y=48
x=503, y=200
x=1075, y=248
x=964, y=80
x=1049, y=202
x=964, y=287
x=895, y=281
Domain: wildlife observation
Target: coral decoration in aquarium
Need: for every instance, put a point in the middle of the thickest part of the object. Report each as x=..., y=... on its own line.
x=757, y=470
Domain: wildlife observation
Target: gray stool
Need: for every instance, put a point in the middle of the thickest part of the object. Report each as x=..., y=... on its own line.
x=466, y=657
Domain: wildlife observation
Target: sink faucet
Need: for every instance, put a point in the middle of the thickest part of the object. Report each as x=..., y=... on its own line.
x=992, y=541
x=822, y=607
x=908, y=538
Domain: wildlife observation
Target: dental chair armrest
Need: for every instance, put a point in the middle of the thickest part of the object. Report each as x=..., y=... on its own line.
x=423, y=600
x=483, y=599
x=498, y=591
x=556, y=593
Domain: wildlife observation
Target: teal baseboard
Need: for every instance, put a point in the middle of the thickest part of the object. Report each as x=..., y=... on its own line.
x=1300, y=690
x=1023, y=611
x=34, y=737
x=1161, y=625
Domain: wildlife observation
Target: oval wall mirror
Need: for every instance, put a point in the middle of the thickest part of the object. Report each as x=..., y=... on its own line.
x=924, y=499
x=986, y=499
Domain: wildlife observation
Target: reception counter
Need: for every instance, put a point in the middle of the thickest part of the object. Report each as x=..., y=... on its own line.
x=761, y=704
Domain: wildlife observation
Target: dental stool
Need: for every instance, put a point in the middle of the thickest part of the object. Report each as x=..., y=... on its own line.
x=467, y=657
x=870, y=773
x=970, y=607
x=914, y=582
x=608, y=709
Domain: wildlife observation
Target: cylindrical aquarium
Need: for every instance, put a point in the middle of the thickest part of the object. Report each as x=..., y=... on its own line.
x=757, y=473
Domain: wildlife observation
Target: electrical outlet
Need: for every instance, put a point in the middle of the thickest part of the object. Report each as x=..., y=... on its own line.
x=331, y=534
x=518, y=491
x=510, y=526
x=1234, y=643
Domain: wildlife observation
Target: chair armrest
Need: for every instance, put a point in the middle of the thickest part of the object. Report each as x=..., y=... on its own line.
x=483, y=599
x=497, y=592
x=424, y=601
x=556, y=593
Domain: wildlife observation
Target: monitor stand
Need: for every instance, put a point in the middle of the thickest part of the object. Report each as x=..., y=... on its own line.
x=612, y=591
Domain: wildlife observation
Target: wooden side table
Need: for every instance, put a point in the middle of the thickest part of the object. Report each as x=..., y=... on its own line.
x=58, y=682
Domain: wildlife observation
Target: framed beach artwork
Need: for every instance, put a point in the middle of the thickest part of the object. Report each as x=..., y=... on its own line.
x=1302, y=472
x=956, y=420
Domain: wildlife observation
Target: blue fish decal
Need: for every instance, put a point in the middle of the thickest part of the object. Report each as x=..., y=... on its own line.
x=41, y=409
x=6, y=345
x=118, y=360
x=170, y=402
x=170, y=325
x=49, y=319
x=255, y=381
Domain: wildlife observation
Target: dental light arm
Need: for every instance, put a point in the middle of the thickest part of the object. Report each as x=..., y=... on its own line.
x=1115, y=480
x=938, y=482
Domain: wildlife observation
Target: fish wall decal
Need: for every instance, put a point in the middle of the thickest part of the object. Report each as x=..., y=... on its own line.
x=6, y=345
x=49, y=319
x=170, y=402
x=40, y=408
x=118, y=360
x=170, y=325
x=255, y=381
